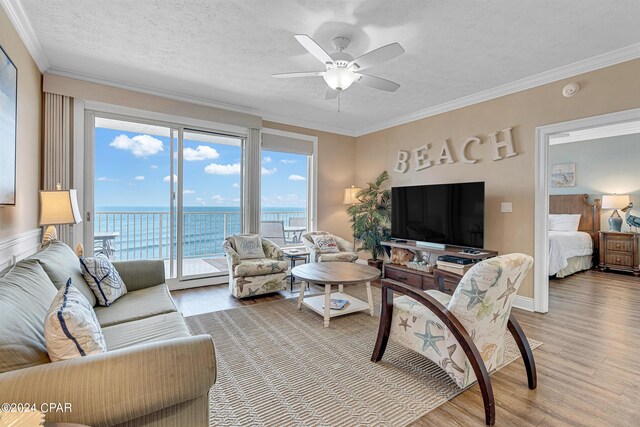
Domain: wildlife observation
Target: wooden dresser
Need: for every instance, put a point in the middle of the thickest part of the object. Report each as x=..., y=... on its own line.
x=619, y=251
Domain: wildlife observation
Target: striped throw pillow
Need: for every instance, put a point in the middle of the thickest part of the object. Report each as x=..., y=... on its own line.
x=103, y=279
x=71, y=328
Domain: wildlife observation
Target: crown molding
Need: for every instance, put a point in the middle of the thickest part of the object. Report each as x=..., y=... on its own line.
x=18, y=18
x=266, y=115
x=591, y=64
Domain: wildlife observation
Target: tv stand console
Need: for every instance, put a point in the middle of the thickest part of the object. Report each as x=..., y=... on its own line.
x=444, y=281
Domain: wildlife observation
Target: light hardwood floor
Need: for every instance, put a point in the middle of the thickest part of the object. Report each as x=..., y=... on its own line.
x=588, y=366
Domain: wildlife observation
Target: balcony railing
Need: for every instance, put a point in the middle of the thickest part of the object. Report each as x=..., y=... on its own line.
x=146, y=235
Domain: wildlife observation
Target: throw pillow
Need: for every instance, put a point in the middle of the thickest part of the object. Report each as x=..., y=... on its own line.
x=71, y=328
x=103, y=279
x=249, y=246
x=564, y=222
x=325, y=243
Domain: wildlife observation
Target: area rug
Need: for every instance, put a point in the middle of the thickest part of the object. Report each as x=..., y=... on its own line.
x=279, y=366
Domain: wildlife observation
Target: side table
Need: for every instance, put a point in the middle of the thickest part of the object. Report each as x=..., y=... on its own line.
x=295, y=255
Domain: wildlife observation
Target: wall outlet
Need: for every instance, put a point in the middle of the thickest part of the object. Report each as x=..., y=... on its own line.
x=506, y=207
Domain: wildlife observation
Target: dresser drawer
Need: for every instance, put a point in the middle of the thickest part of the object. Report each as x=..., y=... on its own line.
x=410, y=279
x=619, y=258
x=619, y=244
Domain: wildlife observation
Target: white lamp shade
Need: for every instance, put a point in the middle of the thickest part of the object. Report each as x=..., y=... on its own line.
x=59, y=207
x=339, y=78
x=615, y=201
x=350, y=195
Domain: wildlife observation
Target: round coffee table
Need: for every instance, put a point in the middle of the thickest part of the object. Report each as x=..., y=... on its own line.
x=335, y=273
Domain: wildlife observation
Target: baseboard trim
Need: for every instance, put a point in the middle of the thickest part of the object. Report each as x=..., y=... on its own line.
x=523, y=303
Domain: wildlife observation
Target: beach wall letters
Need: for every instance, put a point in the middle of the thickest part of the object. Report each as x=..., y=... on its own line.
x=423, y=157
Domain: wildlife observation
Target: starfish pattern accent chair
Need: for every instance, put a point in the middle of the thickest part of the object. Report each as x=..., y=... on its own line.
x=250, y=277
x=344, y=252
x=464, y=333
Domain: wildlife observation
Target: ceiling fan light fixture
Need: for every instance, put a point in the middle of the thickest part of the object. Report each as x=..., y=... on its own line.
x=339, y=78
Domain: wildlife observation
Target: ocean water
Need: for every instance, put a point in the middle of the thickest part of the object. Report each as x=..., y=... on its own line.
x=145, y=232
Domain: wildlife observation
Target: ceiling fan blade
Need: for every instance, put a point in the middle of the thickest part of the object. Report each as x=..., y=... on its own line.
x=302, y=74
x=377, y=56
x=314, y=48
x=331, y=94
x=377, y=82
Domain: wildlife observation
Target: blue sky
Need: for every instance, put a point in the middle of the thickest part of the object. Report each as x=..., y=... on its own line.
x=132, y=169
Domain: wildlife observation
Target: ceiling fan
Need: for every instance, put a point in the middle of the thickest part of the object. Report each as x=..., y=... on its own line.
x=341, y=69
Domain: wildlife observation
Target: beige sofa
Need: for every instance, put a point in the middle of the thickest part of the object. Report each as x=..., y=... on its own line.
x=154, y=373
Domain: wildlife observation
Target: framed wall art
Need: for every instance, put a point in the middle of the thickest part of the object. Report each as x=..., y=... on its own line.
x=563, y=175
x=8, y=120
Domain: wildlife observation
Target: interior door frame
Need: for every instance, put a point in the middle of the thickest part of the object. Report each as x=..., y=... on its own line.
x=543, y=135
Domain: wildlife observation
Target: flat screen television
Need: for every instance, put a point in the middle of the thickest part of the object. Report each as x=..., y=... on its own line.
x=442, y=214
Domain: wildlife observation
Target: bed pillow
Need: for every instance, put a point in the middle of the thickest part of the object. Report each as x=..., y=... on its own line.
x=325, y=243
x=103, y=279
x=564, y=222
x=71, y=328
x=249, y=246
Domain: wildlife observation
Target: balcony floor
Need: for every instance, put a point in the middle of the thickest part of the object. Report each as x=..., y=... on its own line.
x=198, y=266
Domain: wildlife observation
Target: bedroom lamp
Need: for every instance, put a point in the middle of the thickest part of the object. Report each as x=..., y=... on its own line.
x=57, y=207
x=615, y=202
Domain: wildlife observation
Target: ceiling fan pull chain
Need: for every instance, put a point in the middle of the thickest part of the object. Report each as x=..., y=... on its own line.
x=339, y=101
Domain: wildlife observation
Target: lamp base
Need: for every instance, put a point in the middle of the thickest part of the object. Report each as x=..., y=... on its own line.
x=50, y=234
x=615, y=223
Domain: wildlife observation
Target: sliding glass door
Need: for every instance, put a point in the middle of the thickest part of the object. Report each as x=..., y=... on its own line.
x=164, y=192
x=210, y=204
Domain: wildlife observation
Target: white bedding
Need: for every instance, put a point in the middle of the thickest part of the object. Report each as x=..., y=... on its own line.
x=567, y=244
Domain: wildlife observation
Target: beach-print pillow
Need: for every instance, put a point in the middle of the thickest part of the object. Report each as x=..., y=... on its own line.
x=326, y=244
x=71, y=328
x=103, y=279
x=249, y=246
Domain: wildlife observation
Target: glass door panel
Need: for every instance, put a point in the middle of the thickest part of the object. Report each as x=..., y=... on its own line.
x=209, y=204
x=133, y=184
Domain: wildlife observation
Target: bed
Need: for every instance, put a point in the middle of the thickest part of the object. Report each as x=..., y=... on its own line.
x=573, y=251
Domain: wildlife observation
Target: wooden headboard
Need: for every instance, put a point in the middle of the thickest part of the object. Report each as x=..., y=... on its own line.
x=579, y=204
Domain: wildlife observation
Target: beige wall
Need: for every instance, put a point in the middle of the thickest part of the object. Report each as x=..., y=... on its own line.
x=24, y=216
x=335, y=173
x=608, y=90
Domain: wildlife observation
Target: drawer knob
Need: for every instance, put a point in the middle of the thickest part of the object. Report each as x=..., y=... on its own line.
x=618, y=260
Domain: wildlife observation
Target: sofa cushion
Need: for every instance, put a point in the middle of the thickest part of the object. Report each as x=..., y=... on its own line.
x=103, y=279
x=339, y=257
x=25, y=295
x=157, y=328
x=259, y=267
x=137, y=305
x=61, y=263
x=71, y=328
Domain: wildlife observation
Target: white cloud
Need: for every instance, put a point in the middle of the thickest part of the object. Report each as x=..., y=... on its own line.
x=104, y=179
x=217, y=199
x=287, y=161
x=188, y=192
x=139, y=145
x=267, y=159
x=235, y=185
x=284, y=200
x=201, y=201
x=201, y=152
x=296, y=178
x=139, y=178
x=266, y=171
x=236, y=200
x=168, y=178
x=154, y=166
x=218, y=169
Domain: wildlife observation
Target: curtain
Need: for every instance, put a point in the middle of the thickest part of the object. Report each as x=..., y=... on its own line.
x=251, y=182
x=58, y=149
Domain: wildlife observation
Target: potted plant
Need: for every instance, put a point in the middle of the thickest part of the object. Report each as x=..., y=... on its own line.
x=371, y=217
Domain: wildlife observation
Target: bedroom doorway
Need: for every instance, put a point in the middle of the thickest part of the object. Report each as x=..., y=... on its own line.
x=568, y=194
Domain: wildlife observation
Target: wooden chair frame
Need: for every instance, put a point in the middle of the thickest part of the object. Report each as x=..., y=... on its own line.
x=461, y=335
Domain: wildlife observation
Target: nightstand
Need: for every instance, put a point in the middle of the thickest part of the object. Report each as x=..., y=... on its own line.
x=619, y=251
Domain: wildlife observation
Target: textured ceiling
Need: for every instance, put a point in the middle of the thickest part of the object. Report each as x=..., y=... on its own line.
x=225, y=51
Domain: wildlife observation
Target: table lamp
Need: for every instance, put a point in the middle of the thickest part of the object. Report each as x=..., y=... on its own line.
x=615, y=202
x=58, y=207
